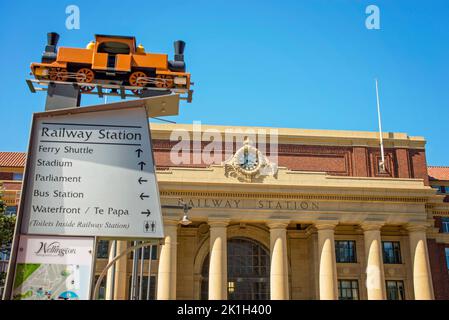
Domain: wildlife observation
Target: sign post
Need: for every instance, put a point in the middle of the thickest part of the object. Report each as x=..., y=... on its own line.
x=90, y=172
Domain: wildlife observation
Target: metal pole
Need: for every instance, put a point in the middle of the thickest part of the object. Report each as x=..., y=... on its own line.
x=134, y=273
x=92, y=271
x=150, y=260
x=142, y=260
x=382, y=164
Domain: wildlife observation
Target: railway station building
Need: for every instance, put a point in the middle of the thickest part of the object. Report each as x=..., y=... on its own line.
x=325, y=221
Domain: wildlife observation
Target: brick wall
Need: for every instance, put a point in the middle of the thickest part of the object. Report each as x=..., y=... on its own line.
x=439, y=269
x=6, y=175
x=345, y=161
x=419, y=165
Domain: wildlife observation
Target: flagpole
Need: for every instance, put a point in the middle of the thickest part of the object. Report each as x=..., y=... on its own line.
x=382, y=163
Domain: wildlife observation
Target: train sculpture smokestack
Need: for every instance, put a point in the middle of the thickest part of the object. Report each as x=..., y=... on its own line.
x=49, y=54
x=179, y=50
x=179, y=64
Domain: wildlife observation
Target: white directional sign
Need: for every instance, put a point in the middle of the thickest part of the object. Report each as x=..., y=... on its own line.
x=91, y=173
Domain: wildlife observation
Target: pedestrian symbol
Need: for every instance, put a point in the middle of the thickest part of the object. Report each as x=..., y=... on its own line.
x=149, y=226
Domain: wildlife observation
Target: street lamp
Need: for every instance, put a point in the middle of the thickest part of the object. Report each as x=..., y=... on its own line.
x=185, y=221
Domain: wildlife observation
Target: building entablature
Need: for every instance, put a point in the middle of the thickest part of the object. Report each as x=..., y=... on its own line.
x=215, y=179
x=300, y=197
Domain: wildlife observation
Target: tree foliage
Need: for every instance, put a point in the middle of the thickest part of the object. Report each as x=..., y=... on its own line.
x=7, y=224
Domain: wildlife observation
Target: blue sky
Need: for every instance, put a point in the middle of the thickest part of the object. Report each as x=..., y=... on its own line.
x=300, y=64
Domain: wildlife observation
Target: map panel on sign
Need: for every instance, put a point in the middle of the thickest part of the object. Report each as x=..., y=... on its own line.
x=53, y=268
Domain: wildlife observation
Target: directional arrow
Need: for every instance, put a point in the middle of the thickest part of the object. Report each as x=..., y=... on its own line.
x=139, y=151
x=148, y=212
x=142, y=180
x=142, y=196
x=142, y=164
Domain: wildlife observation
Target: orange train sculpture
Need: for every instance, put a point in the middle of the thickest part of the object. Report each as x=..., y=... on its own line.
x=113, y=60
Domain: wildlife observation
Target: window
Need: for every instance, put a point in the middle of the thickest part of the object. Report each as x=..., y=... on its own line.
x=345, y=251
x=441, y=189
x=446, y=250
x=4, y=257
x=102, y=289
x=248, y=271
x=391, y=252
x=348, y=290
x=146, y=254
x=17, y=176
x=103, y=249
x=4, y=254
x=445, y=225
x=11, y=211
x=395, y=290
x=142, y=292
x=112, y=47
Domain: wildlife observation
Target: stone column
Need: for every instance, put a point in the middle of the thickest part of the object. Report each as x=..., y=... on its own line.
x=166, y=281
x=111, y=272
x=327, y=262
x=422, y=279
x=279, y=260
x=375, y=278
x=121, y=272
x=218, y=261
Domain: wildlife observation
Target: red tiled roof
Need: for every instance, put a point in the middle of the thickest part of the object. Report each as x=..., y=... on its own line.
x=12, y=159
x=438, y=173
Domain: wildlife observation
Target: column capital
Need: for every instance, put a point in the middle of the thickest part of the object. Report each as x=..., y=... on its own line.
x=278, y=224
x=326, y=224
x=215, y=222
x=417, y=226
x=372, y=225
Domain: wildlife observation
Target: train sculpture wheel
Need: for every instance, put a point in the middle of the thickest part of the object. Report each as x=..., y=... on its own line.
x=85, y=75
x=164, y=81
x=136, y=79
x=58, y=74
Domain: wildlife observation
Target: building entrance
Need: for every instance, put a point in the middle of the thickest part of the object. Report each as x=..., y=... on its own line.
x=248, y=271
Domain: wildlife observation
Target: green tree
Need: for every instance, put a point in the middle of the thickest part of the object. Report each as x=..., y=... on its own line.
x=2, y=204
x=7, y=225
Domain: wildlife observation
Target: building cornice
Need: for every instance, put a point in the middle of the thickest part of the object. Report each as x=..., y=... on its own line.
x=305, y=136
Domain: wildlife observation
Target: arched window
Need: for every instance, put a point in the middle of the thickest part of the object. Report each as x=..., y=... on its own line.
x=248, y=271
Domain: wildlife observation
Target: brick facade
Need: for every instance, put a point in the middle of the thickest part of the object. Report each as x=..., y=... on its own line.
x=440, y=270
x=335, y=160
x=6, y=175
